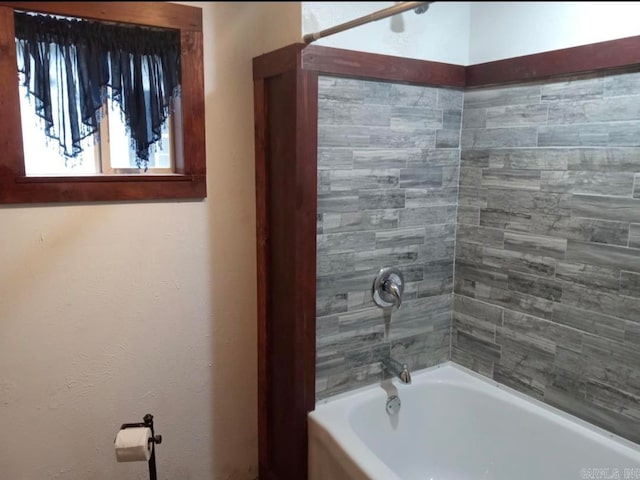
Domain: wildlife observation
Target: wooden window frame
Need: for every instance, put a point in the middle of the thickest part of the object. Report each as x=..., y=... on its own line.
x=189, y=179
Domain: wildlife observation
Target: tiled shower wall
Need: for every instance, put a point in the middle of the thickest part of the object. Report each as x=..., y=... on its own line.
x=388, y=158
x=547, y=282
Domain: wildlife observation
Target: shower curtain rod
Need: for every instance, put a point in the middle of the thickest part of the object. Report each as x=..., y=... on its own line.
x=420, y=7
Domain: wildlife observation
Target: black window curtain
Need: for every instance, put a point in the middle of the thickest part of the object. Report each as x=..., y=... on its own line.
x=72, y=66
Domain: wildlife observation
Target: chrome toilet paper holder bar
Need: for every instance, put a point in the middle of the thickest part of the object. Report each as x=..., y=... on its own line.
x=155, y=439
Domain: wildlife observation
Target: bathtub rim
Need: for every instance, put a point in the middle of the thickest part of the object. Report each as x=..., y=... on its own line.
x=340, y=437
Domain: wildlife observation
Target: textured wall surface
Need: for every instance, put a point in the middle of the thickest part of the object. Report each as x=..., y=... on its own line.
x=548, y=249
x=388, y=160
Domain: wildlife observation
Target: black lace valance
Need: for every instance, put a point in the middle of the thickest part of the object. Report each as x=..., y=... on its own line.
x=72, y=66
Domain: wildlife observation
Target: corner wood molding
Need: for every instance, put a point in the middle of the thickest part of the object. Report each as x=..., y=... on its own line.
x=606, y=55
x=285, y=111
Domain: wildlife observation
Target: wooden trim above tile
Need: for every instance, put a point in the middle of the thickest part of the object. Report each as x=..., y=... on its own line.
x=611, y=54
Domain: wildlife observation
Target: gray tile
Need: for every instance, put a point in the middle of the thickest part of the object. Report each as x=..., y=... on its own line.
x=609, y=208
x=513, y=179
x=470, y=176
x=621, y=84
x=361, y=321
x=600, y=301
x=452, y=120
x=601, y=325
x=326, y=325
x=349, y=282
x=450, y=98
x=343, y=380
x=448, y=138
x=330, y=158
x=450, y=177
x=347, y=180
x=595, y=111
x=520, y=302
x=422, y=351
x=624, y=134
x=528, y=202
x=415, y=119
x=413, y=95
x=531, y=158
x=471, y=361
x=340, y=89
x=341, y=113
x=419, y=316
x=400, y=237
x=474, y=309
x=605, y=159
x=473, y=197
x=498, y=218
x=592, y=413
x=474, y=118
x=440, y=233
x=630, y=284
x=578, y=228
x=381, y=158
x=614, y=400
x=538, y=334
x=336, y=202
x=537, y=286
x=333, y=264
x=474, y=327
x=631, y=333
x=574, y=89
x=498, y=96
x=511, y=377
x=377, y=92
x=373, y=259
x=518, y=261
x=359, y=221
x=386, y=137
x=469, y=215
x=331, y=136
x=441, y=157
x=475, y=157
x=634, y=235
x=381, y=199
x=489, y=237
x=588, y=182
x=499, y=137
x=468, y=253
x=481, y=348
x=518, y=115
x=591, y=276
x=421, y=177
x=636, y=186
x=589, y=135
x=485, y=275
x=535, y=244
x=423, y=197
x=345, y=242
x=604, y=255
x=331, y=304
x=427, y=215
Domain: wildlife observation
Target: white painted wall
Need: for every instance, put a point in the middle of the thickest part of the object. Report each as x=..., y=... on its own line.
x=441, y=34
x=511, y=29
x=110, y=311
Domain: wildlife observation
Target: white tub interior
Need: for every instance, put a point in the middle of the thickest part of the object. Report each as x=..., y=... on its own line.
x=456, y=425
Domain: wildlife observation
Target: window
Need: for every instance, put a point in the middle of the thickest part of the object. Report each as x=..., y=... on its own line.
x=108, y=169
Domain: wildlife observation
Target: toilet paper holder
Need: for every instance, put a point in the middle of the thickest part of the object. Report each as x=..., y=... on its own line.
x=155, y=439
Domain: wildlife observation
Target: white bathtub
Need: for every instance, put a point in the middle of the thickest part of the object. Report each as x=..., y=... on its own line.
x=454, y=424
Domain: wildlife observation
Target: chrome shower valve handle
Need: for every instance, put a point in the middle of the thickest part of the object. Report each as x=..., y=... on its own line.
x=388, y=287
